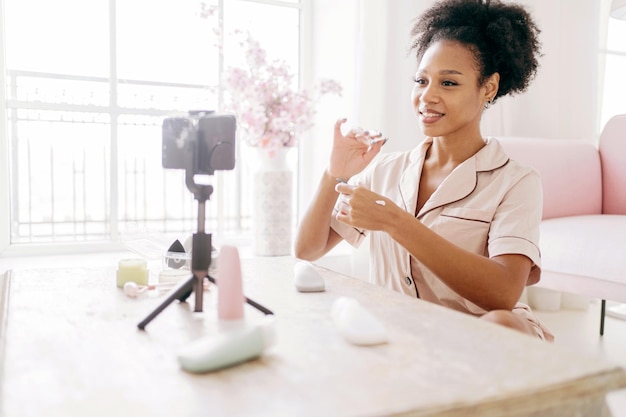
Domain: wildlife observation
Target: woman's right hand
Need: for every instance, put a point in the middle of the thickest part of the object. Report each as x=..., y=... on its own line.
x=353, y=151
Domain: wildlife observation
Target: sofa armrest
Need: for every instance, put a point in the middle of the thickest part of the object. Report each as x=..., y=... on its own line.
x=613, y=157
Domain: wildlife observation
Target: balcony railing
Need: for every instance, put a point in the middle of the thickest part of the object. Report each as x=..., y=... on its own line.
x=85, y=161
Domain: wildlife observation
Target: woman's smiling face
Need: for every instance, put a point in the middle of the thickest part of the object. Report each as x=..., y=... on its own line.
x=447, y=97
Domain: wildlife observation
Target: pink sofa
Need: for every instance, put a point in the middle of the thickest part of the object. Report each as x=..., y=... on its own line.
x=583, y=232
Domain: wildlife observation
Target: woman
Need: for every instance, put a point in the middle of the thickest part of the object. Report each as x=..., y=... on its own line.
x=453, y=221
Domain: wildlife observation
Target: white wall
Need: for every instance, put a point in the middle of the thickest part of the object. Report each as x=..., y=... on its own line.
x=562, y=101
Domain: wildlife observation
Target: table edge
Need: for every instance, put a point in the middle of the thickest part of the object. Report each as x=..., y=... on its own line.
x=553, y=396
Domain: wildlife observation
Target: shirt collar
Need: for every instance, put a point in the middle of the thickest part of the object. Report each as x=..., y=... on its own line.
x=459, y=184
x=489, y=157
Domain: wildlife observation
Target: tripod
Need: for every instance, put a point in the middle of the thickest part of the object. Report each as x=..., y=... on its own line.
x=200, y=260
x=200, y=256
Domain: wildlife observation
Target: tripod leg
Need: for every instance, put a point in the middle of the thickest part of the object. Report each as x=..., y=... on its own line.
x=181, y=293
x=198, y=286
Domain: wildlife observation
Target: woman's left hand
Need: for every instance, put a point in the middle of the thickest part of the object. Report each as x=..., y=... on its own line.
x=363, y=208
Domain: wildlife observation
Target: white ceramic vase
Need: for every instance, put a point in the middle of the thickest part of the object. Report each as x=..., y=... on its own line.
x=272, y=203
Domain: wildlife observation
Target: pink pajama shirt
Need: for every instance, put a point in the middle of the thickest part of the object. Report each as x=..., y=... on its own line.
x=489, y=205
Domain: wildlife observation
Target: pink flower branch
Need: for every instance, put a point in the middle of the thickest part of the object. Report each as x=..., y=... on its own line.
x=271, y=112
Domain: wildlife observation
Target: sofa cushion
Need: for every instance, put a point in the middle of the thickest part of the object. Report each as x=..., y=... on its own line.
x=579, y=248
x=570, y=173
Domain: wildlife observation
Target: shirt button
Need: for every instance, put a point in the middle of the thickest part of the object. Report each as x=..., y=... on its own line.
x=408, y=280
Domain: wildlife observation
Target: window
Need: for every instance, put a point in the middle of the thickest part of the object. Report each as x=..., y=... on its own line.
x=614, y=69
x=87, y=87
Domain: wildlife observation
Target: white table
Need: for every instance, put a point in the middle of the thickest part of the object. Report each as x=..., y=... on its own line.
x=72, y=348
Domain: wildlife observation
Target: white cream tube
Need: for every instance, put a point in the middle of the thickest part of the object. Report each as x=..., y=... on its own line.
x=227, y=349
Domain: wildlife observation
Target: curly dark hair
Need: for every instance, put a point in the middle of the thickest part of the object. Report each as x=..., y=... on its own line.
x=502, y=37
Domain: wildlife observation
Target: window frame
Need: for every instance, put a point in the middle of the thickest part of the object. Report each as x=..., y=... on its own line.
x=114, y=243
x=5, y=213
x=604, y=52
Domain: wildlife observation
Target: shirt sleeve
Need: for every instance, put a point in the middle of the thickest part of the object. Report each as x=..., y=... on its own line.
x=351, y=234
x=515, y=227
